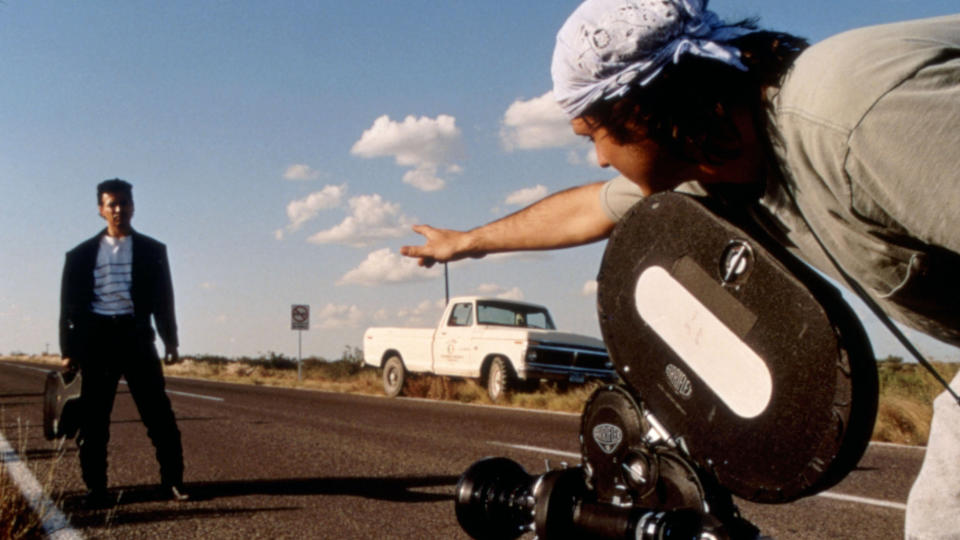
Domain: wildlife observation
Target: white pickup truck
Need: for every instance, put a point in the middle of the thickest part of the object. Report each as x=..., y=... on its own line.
x=503, y=343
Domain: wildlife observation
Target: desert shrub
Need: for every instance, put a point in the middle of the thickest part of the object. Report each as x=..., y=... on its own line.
x=368, y=381
x=907, y=391
x=469, y=391
x=904, y=420
x=417, y=385
x=337, y=370
x=211, y=360
x=913, y=380
x=17, y=520
x=279, y=361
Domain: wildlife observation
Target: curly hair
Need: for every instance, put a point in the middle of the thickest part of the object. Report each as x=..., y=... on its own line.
x=686, y=109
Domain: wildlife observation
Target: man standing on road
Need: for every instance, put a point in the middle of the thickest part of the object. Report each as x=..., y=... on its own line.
x=112, y=284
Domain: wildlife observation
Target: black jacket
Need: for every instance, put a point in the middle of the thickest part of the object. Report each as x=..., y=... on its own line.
x=151, y=291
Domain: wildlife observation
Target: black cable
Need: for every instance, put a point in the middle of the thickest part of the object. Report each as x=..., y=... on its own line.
x=874, y=307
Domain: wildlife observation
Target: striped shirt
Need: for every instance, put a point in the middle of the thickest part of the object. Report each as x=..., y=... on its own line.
x=112, y=277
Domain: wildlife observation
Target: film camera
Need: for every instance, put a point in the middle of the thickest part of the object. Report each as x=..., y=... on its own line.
x=744, y=373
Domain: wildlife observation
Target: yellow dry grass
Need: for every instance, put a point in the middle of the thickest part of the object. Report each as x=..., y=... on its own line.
x=18, y=521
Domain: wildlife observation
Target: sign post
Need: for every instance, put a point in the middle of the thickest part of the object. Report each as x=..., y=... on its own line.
x=299, y=321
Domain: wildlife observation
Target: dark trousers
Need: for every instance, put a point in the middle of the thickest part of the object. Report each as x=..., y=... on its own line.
x=119, y=348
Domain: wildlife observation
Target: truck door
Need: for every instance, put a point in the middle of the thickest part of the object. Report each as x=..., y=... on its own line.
x=453, y=344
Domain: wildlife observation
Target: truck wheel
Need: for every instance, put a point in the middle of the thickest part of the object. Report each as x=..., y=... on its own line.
x=498, y=379
x=393, y=376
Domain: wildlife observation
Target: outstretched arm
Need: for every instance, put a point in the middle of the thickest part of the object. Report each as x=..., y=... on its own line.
x=568, y=218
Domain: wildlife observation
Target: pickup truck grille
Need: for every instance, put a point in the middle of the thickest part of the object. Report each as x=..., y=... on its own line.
x=558, y=359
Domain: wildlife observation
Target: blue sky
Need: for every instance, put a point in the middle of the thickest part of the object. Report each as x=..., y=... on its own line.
x=283, y=149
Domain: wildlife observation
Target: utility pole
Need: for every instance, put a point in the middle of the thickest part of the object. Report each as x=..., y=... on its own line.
x=446, y=285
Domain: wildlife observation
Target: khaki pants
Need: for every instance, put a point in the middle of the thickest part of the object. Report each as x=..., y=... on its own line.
x=933, y=507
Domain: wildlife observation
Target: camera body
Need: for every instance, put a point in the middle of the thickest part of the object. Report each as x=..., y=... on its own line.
x=743, y=371
x=633, y=483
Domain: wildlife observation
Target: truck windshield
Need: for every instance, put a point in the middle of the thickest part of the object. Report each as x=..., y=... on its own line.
x=506, y=314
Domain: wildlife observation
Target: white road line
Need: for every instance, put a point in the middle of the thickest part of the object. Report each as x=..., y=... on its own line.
x=44, y=370
x=898, y=445
x=198, y=396
x=863, y=500
x=472, y=405
x=55, y=524
x=188, y=394
x=572, y=455
x=825, y=494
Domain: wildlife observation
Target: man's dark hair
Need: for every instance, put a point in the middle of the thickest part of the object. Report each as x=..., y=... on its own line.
x=114, y=185
x=686, y=109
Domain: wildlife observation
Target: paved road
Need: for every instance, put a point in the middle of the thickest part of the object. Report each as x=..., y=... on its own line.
x=279, y=463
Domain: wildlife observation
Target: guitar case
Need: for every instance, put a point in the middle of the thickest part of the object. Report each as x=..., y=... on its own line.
x=61, y=404
x=751, y=361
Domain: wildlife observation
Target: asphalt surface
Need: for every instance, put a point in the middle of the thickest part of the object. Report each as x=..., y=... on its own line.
x=278, y=463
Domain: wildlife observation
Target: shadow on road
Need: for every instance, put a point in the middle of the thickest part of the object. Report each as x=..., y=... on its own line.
x=40, y=454
x=13, y=404
x=396, y=489
x=400, y=489
x=180, y=420
x=112, y=517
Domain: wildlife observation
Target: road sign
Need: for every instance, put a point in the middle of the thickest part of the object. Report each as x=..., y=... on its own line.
x=300, y=317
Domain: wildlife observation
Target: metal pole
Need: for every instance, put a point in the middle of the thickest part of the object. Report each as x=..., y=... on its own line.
x=299, y=352
x=446, y=284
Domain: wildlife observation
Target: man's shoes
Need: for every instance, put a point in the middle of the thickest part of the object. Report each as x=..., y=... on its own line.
x=97, y=499
x=178, y=494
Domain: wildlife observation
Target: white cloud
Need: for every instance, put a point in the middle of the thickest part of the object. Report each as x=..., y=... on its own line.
x=523, y=197
x=299, y=171
x=583, y=157
x=303, y=210
x=497, y=291
x=488, y=289
x=424, y=178
x=511, y=294
x=371, y=218
x=510, y=256
x=13, y=310
x=423, y=144
x=427, y=312
x=385, y=266
x=589, y=288
x=537, y=123
x=339, y=316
